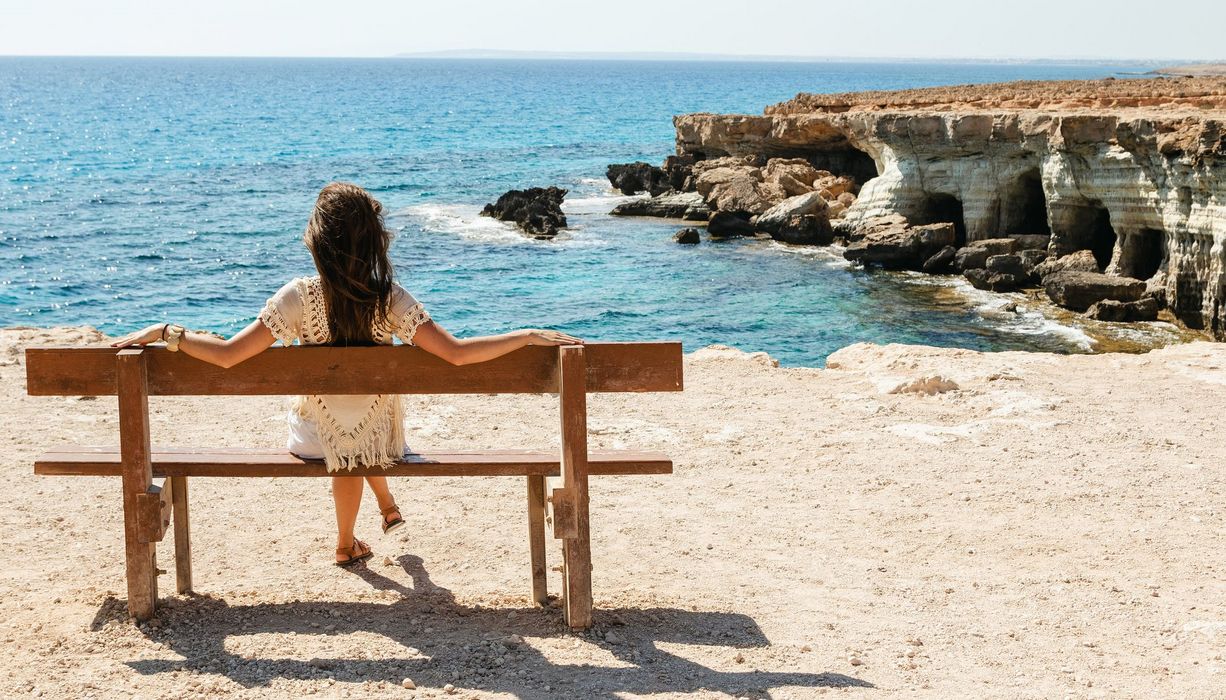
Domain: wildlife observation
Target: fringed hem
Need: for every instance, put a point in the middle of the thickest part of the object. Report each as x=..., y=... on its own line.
x=272, y=318
x=377, y=440
x=410, y=320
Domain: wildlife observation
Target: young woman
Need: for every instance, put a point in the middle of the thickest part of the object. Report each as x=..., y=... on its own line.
x=352, y=301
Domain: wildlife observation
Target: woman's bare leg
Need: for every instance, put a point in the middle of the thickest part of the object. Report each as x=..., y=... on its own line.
x=378, y=484
x=347, y=494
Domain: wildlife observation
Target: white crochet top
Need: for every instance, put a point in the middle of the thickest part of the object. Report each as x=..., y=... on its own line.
x=352, y=430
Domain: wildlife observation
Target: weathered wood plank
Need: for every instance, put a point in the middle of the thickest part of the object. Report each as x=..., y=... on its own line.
x=611, y=367
x=577, y=550
x=132, y=384
x=237, y=462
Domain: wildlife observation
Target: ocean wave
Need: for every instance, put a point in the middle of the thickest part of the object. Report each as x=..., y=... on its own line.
x=831, y=255
x=1016, y=313
x=594, y=204
x=466, y=222
x=462, y=220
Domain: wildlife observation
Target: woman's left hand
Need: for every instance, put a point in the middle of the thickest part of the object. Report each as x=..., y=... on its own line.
x=537, y=336
x=152, y=334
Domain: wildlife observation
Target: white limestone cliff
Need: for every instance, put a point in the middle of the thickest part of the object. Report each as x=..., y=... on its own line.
x=1142, y=186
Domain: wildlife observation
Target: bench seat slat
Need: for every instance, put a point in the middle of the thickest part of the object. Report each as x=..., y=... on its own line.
x=237, y=462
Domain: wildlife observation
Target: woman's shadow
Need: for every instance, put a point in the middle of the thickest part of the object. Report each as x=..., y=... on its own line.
x=473, y=647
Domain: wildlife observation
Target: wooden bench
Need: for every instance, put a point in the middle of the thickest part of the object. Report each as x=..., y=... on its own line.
x=133, y=375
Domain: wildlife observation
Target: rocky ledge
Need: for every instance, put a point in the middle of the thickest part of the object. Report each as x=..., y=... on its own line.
x=1009, y=184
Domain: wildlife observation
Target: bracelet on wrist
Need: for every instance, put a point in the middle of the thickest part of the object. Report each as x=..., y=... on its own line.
x=174, y=335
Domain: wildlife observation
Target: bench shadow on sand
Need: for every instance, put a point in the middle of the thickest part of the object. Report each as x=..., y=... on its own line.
x=197, y=627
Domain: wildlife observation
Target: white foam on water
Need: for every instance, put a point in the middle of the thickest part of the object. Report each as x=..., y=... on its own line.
x=831, y=255
x=464, y=221
x=1025, y=320
x=594, y=204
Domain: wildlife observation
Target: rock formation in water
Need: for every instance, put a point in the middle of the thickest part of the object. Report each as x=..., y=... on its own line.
x=632, y=178
x=674, y=205
x=1130, y=172
x=536, y=211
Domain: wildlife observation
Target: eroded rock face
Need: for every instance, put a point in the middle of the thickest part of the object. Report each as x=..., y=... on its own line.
x=1133, y=171
x=536, y=211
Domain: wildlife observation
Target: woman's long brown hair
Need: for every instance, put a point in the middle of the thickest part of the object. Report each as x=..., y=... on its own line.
x=349, y=242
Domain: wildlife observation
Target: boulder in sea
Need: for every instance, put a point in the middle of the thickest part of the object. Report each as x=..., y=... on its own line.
x=803, y=229
x=632, y=178
x=683, y=205
x=941, y=262
x=1081, y=290
x=1144, y=309
x=974, y=255
x=1080, y=261
x=687, y=235
x=726, y=224
x=900, y=246
x=1002, y=273
x=537, y=211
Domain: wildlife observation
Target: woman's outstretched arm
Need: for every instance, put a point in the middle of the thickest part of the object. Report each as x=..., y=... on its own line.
x=247, y=343
x=435, y=340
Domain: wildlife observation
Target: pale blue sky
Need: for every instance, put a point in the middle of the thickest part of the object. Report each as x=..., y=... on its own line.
x=1130, y=29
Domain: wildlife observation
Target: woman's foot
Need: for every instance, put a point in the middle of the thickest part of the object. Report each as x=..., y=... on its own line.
x=391, y=518
x=354, y=553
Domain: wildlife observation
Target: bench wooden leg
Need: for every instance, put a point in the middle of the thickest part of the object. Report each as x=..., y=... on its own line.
x=536, y=539
x=576, y=549
x=141, y=553
x=183, y=542
x=141, y=571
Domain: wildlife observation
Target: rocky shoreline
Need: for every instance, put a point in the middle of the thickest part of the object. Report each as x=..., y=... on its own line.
x=1107, y=195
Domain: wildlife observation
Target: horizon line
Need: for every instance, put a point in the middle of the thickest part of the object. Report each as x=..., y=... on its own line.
x=515, y=54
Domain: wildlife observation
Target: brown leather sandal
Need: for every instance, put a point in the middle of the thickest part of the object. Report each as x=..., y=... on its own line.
x=358, y=551
x=394, y=523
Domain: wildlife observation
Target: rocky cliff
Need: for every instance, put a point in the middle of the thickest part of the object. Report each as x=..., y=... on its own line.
x=1132, y=170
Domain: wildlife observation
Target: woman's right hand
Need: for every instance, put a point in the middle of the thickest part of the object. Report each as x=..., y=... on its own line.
x=538, y=336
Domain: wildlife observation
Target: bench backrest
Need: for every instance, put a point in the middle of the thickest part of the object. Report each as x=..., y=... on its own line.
x=620, y=367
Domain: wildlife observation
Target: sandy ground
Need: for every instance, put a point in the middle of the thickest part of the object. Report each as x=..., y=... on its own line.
x=1044, y=526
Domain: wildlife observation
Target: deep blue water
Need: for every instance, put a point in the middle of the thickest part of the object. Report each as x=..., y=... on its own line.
x=142, y=190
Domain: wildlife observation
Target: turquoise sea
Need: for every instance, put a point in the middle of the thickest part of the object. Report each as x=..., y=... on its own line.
x=141, y=190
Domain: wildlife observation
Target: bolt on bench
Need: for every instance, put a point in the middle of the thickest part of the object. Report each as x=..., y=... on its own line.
x=133, y=375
